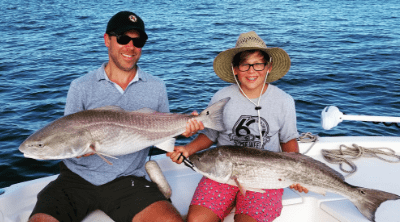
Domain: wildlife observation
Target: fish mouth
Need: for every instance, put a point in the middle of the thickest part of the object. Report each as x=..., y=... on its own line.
x=33, y=156
x=28, y=156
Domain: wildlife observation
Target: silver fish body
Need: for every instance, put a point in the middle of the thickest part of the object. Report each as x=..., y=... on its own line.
x=111, y=131
x=255, y=169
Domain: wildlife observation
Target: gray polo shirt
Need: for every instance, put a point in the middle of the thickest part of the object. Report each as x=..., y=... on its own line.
x=95, y=90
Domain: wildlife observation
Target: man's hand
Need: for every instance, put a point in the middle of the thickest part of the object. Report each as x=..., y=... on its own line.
x=192, y=126
x=299, y=188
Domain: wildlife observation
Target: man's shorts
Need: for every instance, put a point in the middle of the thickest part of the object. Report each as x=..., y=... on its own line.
x=71, y=198
x=220, y=198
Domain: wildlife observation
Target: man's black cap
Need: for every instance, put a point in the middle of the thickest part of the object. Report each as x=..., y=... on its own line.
x=125, y=21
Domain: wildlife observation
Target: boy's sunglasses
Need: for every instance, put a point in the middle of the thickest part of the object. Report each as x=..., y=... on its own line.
x=124, y=39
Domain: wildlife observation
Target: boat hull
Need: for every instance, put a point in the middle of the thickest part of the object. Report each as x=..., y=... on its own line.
x=371, y=173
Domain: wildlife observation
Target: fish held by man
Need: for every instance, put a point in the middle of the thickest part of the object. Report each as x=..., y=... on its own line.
x=255, y=169
x=112, y=131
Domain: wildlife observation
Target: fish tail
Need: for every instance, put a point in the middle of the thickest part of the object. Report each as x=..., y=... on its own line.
x=212, y=115
x=369, y=200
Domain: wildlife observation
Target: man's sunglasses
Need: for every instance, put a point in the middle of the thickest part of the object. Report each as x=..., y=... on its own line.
x=124, y=39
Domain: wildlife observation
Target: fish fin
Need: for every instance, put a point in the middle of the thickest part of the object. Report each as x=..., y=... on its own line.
x=103, y=154
x=370, y=200
x=145, y=110
x=151, y=111
x=168, y=145
x=212, y=115
x=241, y=188
x=104, y=158
x=117, y=108
x=317, y=190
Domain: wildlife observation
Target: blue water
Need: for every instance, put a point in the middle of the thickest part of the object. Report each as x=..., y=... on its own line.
x=344, y=53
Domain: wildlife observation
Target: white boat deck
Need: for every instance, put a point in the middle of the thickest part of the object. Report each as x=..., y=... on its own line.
x=18, y=200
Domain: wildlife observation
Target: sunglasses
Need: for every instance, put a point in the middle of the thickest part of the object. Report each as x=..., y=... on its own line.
x=124, y=39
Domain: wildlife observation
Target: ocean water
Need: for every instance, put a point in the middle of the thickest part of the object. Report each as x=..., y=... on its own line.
x=344, y=53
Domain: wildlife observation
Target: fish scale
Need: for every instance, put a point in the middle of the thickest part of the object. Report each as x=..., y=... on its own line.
x=273, y=178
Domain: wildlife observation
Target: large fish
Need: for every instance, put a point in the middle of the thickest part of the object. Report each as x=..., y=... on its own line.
x=255, y=169
x=111, y=131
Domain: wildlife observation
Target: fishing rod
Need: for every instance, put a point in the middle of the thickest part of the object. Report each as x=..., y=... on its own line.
x=331, y=117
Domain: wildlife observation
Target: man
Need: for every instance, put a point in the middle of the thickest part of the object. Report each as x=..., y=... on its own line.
x=88, y=183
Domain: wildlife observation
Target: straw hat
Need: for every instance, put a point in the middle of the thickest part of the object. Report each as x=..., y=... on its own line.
x=251, y=41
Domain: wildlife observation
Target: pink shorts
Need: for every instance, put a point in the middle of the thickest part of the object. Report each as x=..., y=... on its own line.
x=220, y=198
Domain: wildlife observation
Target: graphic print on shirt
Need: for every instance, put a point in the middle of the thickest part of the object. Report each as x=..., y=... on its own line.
x=245, y=132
